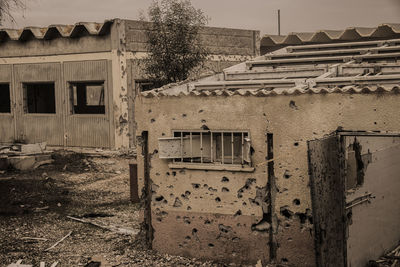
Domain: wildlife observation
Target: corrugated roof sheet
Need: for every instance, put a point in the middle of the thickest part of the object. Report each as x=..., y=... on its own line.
x=55, y=31
x=386, y=30
x=279, y=91
x=338, y=67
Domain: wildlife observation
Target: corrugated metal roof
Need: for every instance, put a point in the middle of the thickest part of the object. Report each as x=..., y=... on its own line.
x=386, y=30
x=55, y=31
x=279, y=91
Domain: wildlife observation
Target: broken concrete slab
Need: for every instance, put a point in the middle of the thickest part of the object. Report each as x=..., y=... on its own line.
x=22, y=163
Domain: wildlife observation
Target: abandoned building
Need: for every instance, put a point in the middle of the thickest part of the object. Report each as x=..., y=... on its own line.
x=74, y=85
x=291, y=157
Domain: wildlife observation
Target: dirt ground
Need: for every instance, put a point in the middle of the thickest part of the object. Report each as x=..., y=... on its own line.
x=36, y=204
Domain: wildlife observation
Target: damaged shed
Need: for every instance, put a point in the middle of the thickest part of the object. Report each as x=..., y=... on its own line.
x=75, y=85
x=291, y=157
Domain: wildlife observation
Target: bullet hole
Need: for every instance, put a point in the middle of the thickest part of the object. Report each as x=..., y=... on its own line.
x=375, y=122
x=162, y=134
x=374, y=109
x=238, y=213
x=194, y=231
x=170, y=186
x=247, y=186
x=152, y=120
x=224, y=189
x=235, y=239
x=284, y=260
x=159, y=219
x=186, y=220
x=224, y=228
x=244, y=204
x=207, y=222
x=205, y=185
x=160, y=198
x=203, y=121
x=265, y=115
x=204, y=127
x=302, y=217
x=196, y=186
x=296, y=201
x=167, y=173
x=177, y=203
x=178, y=217
x=173, y=119
x=225, y=179
x=171, y=195
x=287, y=174
x=296, y=144
x=286, y=212
x=182, y=171
x=212, y=189
x=292, y=105
x=149, y=110
x=188, y=237
x=186, y=195
x=189, y=208
x=157, y=174
x=174, y=173
x=184, y=115
x=201, y=111
x=217, y=199
x=211, y=245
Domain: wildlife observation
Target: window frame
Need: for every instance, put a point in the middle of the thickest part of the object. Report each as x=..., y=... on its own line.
x=70, y=86
x=24, y=86
x=245, y=164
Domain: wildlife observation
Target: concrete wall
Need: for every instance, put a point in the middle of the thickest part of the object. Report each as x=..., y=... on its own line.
x=58, y=46
x=186, y=231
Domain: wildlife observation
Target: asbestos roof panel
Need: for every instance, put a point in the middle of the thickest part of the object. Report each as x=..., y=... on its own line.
x=386, y=30
x=281, y=91
x=55, y=31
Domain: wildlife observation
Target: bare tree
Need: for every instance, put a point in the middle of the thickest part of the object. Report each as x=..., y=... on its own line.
x=7, y=7
x=173, y=40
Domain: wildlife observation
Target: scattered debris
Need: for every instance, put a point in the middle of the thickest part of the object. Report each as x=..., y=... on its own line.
x=18, y=264
x=24, y=156
x=58, y=242
x=390, y=259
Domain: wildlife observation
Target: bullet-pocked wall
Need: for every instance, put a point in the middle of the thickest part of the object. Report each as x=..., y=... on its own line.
x=213, y=214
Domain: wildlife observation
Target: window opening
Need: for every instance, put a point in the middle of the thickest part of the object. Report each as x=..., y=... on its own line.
x=87, y=98
x=39, y=98
x=5, y=99
x=222, y=147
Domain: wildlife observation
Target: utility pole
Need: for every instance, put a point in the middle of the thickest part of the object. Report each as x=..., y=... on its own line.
x=279, y=22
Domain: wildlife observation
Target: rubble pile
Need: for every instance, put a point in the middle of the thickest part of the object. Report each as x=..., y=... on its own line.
x=24, y=156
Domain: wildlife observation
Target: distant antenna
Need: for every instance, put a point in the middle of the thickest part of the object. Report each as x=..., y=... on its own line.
x=279, y=22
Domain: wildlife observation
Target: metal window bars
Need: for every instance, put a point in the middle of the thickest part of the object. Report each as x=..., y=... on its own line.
x=205, y=146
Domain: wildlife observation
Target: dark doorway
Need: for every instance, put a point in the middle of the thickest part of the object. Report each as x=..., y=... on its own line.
x=5, y=100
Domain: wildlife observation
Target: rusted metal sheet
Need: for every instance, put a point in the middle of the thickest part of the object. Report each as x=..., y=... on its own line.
x=39, y=127
x=87, y=130
x=133, y=175
x=327, y=194
x=372, y=201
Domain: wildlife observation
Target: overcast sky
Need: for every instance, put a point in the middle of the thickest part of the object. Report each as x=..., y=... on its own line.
x=296, y=15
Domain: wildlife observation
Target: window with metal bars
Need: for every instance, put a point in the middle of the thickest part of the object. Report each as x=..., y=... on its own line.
x=207, y=147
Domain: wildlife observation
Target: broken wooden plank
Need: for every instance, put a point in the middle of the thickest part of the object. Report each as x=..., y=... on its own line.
x=59, y=241
x=54, y=264
x=34, y=238
x=118, y=230
x=42, y=264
